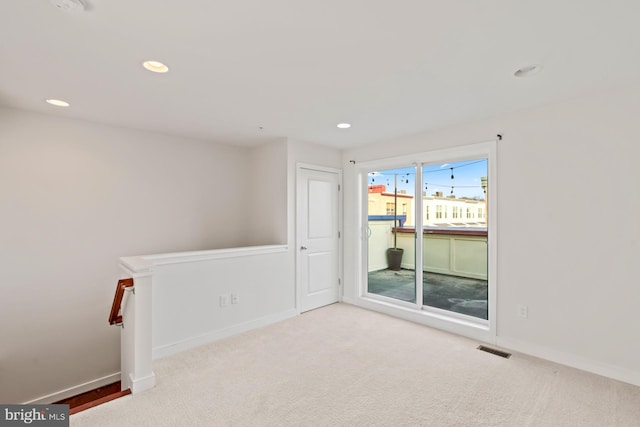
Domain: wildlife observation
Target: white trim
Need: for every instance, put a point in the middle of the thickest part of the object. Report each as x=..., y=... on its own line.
x=75, y=390
x=492, y=238
x=136, y=266
x=309, y=166
x=142, y=384
x=418, y=216
x=391, y=301
x=362, y=177
x=186, y=344
x=145, y=263
x=571, y=360
x=463, y=318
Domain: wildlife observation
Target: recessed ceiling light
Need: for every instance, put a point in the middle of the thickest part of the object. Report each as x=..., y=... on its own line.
x=57, y=102
x=527, y=71
x=344, y=125
x=155, y=66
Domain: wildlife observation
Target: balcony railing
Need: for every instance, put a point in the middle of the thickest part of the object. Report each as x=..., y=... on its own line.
x=454, y=251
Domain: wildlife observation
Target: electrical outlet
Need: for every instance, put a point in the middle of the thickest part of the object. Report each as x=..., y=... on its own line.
x=235, y=298
x=523, y=311
x=224, y=300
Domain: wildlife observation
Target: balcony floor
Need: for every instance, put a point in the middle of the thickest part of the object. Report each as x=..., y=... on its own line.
x=458, y=294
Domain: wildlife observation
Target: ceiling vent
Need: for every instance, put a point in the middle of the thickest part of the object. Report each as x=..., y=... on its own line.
x=72, y=6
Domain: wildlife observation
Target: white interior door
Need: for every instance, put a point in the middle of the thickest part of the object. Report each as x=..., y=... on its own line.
x=318, y=237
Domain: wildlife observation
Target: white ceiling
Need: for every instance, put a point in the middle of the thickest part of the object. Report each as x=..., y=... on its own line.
x=297, y=68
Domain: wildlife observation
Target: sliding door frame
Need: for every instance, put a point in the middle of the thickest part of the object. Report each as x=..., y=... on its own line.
x=481, y=329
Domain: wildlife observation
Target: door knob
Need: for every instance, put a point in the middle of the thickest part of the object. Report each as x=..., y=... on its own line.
x=303, y=248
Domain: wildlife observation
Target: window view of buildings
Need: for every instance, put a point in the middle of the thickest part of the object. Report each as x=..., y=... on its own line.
x=438, y=210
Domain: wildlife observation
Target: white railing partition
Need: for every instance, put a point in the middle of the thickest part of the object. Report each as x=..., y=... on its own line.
x=182, y=300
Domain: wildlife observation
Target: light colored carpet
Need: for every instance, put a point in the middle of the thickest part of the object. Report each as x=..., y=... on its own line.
x=344, y=366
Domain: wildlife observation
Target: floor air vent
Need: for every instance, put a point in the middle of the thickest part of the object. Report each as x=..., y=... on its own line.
x=494, y=351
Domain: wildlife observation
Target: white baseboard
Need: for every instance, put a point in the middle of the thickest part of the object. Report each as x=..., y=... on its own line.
x=142, y=384
x=75, y=390
x=186, y=344
x=348, y=300
x=571, y=360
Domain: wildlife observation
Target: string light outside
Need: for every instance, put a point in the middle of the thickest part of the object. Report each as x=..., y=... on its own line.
x=405, y=179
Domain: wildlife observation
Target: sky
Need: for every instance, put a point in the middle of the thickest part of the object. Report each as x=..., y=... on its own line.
x=465, y=182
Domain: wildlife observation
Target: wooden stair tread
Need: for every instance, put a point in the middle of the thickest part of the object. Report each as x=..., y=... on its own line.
x=99, y=401
x=94, y=397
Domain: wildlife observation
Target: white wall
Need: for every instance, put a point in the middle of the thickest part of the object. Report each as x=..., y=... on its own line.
x=561, y=169
x=74, y=197
x=267, y=223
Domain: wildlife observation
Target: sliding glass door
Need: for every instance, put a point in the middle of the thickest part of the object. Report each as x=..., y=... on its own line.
x=391, y=233
x=455, y=229
x=430, y=251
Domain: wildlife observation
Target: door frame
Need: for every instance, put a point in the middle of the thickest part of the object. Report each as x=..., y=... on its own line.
x=299, y=219
x=449, y=322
